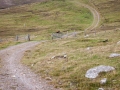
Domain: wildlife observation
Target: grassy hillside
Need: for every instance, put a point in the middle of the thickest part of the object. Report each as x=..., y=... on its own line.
x=10, y=3
x=110, y=13
x=69, y=73
x=44, y=18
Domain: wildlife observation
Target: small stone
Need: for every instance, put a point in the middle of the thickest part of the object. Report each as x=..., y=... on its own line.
x=65, y=56
x=86, y=36
x=32, y=65
x=53, y=57
x=13, y=76
x=118, y=42
x=88, y=48
x=114, y=55
x=103, y=81
x=48, y=78
x=100, y=89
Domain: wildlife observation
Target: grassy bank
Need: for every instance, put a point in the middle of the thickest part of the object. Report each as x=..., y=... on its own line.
x=6, y=44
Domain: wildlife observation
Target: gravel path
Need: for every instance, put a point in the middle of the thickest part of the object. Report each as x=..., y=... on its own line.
x=15, y=76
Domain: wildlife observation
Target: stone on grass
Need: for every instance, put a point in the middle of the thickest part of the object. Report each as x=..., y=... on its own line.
x=94, y=72
x=59, y=56
x=114, y=55
x=103, y=81
x=118, y=42
x=48, y=78
x=88, y=48
x=32, y=65
x=86, y=36
x=100, y=89
x=52, y=57
x=65, y=56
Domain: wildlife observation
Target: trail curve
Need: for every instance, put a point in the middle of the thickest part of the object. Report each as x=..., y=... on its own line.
x=96, y=15
x=14, y=75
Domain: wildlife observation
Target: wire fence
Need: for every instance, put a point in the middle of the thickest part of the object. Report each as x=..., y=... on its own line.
x=56, y=35
x=16, y=38
x=61, y=35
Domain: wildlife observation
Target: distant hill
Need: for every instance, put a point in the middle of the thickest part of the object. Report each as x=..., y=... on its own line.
x=9, y=3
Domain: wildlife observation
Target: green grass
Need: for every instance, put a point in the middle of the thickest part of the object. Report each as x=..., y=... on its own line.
x=42, y=19
x=110, y=13
x=6, y=44
x=69, y=73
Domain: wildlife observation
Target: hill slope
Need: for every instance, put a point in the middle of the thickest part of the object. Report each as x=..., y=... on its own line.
x=110, y=13
x=44, y=18
x=82, y=52
x=9, y=3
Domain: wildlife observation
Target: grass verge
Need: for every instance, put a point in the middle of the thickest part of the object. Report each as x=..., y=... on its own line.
x=69, y=73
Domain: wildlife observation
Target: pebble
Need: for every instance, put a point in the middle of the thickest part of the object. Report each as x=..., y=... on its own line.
x=100, y=89
x=88, y=48
x=48, y=78
x=103, y=81
x=114, y=55
x=118, y=42
x=13, y=76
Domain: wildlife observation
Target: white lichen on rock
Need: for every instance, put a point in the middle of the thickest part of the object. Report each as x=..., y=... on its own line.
x=114, y=55
x=94, y=72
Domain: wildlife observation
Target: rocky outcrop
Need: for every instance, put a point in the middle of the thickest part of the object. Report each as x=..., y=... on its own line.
x=94, y=72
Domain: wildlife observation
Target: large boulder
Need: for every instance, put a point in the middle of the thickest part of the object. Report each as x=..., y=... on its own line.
x=94, y=72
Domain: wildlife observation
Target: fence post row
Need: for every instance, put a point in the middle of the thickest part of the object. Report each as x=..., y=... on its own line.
x=26, y=37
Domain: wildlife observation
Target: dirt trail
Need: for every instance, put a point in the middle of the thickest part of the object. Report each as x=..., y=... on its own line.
x=15, y=76
x=96, y=16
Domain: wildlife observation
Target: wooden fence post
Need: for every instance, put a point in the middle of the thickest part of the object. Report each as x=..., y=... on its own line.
x=52, y=36
x=28, y=37
x=16, y=37
x=75, y=33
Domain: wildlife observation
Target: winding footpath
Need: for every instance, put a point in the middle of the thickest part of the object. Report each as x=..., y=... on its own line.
x=95, y=13
x=15, y=76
